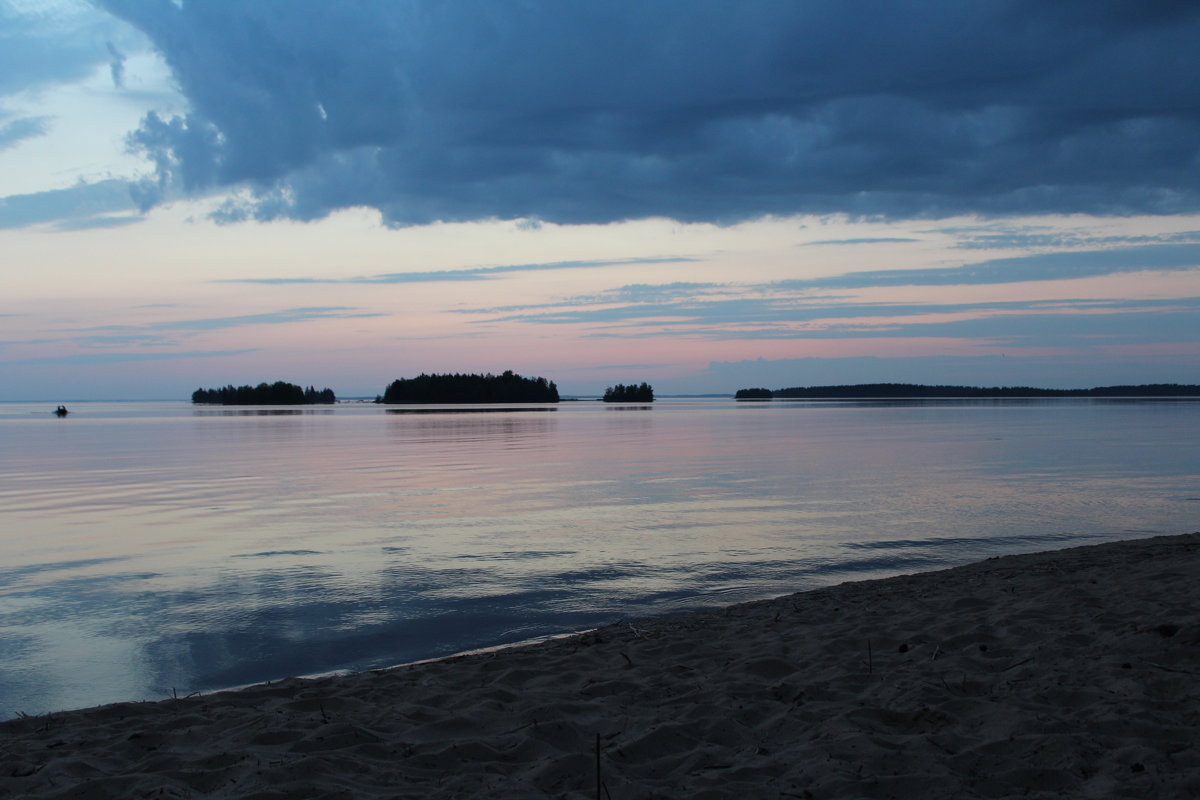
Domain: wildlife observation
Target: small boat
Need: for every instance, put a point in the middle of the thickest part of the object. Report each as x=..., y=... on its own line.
x=61, y=411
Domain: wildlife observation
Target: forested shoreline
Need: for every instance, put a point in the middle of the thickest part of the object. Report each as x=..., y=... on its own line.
x=633, y=393
x=279, y=393
x=507, y=387
x=913, y=390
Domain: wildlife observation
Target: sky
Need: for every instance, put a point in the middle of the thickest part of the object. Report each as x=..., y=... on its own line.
x=700, y=194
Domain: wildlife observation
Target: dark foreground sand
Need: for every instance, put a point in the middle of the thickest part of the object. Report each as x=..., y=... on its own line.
x=1066, y=674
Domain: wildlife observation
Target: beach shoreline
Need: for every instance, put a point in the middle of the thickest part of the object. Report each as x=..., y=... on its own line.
x=1062, y=673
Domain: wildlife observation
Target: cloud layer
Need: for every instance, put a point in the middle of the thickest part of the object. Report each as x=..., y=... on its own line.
x=601, y=110
x=469, y=273
x=805, y=309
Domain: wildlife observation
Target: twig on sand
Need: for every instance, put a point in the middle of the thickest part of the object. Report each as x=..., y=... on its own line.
x=600, y=784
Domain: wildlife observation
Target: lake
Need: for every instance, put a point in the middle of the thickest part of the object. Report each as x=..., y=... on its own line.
x=152, y=548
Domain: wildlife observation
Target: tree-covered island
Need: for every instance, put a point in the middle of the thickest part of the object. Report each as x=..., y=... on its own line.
x=279, y=393
x=633, y=393
x=916, y=391
x=507, y=387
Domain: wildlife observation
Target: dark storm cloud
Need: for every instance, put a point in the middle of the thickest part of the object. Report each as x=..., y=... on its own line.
x=601, y=110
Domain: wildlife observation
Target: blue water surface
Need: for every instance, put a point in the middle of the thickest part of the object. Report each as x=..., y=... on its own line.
x=151, y=548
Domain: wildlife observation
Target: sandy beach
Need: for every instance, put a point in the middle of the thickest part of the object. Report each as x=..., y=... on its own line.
x=1073, y=673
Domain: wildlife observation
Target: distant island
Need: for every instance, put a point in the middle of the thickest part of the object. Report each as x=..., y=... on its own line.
x=279, y=393
x=640, y=393
x=504, y=388
x=912, y=390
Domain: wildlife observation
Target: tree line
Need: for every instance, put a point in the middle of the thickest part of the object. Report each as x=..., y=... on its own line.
x=279, y=393
x=633, y=393
x=508, y=387
x=913, y=390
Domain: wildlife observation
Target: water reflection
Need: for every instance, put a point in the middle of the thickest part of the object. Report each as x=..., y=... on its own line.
x=256, y=412
x=951, y=402
x=441, y=410
x=185, y=551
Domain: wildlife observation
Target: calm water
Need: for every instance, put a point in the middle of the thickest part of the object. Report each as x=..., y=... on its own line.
x=151, y=547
